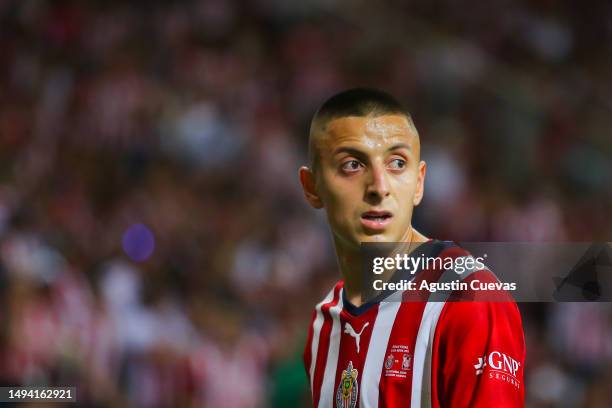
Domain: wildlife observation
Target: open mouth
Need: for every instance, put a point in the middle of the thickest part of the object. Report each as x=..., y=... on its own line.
x=376, y=215
x=376, y=220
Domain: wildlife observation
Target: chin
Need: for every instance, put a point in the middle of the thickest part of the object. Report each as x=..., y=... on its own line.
x=382, y=237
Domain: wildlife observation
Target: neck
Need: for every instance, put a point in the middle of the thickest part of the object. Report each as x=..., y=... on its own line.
x=350, y=262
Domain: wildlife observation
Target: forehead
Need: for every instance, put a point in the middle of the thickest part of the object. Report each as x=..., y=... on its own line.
x=367, y=131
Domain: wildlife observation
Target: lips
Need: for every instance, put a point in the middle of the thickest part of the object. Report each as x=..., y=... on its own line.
x=376, y=220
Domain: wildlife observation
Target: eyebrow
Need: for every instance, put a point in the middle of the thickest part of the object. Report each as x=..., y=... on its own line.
x=355, y=151
x=399, y=146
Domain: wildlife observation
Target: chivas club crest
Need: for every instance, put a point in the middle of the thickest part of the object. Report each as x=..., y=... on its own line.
x=389, y=361
x=346, y=395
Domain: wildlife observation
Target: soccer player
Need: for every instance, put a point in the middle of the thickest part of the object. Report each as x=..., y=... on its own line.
x=365, y=171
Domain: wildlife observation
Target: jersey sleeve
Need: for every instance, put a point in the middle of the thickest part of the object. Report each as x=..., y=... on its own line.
x=478, y=355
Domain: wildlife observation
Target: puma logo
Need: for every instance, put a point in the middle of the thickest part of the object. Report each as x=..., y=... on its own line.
x=349, y=329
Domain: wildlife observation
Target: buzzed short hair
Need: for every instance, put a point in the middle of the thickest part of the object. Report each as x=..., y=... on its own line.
x=354, y=102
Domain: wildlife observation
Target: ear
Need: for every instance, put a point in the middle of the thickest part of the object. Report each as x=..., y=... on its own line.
x=420, y=187
x=307, y=179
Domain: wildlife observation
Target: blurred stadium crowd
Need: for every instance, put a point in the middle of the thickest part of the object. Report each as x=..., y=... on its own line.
x=155, y=248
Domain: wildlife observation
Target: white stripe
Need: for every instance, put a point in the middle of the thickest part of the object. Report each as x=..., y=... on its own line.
x=421, y=369
x=423, y=349
x=326, y=398
x=316, y=333
x=375, y=357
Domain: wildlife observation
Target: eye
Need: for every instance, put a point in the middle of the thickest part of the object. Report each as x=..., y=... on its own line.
x=351, y=166
x=397, y=164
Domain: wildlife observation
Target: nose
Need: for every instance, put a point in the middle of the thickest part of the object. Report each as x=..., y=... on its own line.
x=378, y=185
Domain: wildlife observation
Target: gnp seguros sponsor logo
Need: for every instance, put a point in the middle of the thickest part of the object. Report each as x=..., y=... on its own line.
x=499, y=366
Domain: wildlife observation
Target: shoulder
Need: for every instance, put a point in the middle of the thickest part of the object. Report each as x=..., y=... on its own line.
x=483, y=300
x=470, y=316
x=332, y=297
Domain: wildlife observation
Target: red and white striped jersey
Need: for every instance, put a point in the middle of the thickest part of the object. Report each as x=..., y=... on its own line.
x=417, y=353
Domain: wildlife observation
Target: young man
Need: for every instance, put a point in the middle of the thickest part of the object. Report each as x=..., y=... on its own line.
x=365, y=171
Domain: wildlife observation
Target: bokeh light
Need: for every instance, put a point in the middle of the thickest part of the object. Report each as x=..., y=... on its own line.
x=138, y=242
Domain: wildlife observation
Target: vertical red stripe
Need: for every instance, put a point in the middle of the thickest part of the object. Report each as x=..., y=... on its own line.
x=348, y=346
x=394, y=391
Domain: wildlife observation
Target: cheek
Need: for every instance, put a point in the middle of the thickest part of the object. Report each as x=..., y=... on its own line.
x=343, y=203
x=339, y=197
x=340, y=192
x=406, y=187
